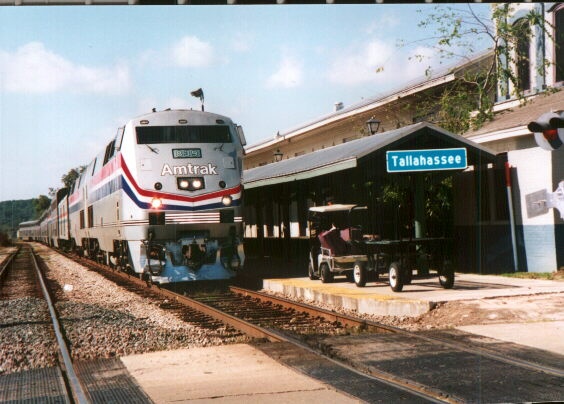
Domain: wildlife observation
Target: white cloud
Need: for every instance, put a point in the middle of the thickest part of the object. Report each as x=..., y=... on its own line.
x=34, y=69
x=289, y=74
x=242, y=42
x=190, y=51
x=383, y=24
x=378, y=62
x=360, y=65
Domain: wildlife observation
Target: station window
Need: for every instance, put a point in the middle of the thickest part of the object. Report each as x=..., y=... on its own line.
x=559, y=44
x=82, y=223
x=523, y=48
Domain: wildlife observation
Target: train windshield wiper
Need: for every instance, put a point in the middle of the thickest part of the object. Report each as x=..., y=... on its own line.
x=153, y=149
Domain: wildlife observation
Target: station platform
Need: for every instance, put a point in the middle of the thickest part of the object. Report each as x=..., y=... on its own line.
x=421, y=296
x=226, y=374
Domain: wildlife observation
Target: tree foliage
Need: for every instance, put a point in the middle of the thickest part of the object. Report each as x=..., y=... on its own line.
x=12, y=213
x=40, y=204
x=70, y=178
x=456, y=32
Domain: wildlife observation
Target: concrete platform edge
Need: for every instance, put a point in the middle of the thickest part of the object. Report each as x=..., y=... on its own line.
x=365, y=304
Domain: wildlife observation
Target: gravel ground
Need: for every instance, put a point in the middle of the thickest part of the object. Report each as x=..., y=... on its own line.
x=26, y=336
x=101, y=320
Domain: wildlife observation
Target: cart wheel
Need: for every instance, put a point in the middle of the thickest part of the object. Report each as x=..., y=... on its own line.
x=311, y=272
x=446, y=275
x=396, y=281
x=326, y=275
x=359, y=273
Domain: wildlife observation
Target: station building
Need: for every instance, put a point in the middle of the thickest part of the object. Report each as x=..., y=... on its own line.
x=488, y=207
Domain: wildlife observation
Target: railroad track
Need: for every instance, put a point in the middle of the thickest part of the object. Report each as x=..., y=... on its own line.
x=22, y=277
x=350, y=321
x=309, y=328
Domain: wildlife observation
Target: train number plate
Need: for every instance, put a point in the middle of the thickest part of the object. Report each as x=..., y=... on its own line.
x=187, y=153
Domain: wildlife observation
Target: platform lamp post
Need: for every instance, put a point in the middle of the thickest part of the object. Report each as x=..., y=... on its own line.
x=199, y=93
x=373, y=125
x=278, y=156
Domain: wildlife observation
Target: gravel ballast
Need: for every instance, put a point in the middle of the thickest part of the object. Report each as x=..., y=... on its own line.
x=100, y=320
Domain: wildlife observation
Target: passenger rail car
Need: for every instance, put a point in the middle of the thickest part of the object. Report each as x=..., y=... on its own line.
x=162, y=200
x=28, y=231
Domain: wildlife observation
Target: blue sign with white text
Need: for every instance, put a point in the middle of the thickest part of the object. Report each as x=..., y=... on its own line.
x=426, y=160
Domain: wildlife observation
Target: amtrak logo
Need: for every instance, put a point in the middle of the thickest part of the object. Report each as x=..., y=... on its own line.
x=189, y=169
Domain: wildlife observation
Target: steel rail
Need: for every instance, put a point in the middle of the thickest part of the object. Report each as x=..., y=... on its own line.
x=7, y=261
x=256, y=331
x=239, y=324
x=78, y=393
x=245, y=327
x=355, y=322
x=312, y=310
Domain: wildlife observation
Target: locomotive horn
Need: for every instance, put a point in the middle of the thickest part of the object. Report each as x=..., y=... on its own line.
x=199, y=93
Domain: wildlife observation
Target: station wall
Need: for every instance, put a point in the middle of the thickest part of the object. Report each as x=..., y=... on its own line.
x=538, y=174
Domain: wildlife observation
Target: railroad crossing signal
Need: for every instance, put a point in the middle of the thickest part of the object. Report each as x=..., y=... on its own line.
x=548, y=130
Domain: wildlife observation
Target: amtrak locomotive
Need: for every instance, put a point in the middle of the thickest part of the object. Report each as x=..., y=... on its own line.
x=162, y=200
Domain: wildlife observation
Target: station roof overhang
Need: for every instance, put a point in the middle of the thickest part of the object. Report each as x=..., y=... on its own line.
x=348, y=155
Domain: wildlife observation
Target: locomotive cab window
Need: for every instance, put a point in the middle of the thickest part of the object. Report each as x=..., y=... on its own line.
x=183, y=134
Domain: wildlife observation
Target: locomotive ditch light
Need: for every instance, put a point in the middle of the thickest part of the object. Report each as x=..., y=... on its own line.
x=227, y=200
x=156, y=203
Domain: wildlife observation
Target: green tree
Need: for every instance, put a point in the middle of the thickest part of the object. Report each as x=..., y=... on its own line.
x=455, y=33
x=40, y=204
x=12, y=213
x=70, y=178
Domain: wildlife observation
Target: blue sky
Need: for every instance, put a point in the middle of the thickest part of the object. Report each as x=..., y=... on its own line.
x=69, y=76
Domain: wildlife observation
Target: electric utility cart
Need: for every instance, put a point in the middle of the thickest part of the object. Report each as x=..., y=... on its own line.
x=339, y=247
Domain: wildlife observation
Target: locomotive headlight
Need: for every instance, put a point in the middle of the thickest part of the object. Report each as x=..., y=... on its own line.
x=227, y=200
x=196, y=184
x=190, y=183
x=156, y=203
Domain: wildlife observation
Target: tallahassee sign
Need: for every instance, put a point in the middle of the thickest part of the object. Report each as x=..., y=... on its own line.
x=426, y=160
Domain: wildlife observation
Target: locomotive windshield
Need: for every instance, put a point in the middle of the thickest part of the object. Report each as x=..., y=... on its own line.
x=183, y=134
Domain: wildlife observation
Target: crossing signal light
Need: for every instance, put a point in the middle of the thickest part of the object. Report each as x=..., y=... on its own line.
x=549, y=130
